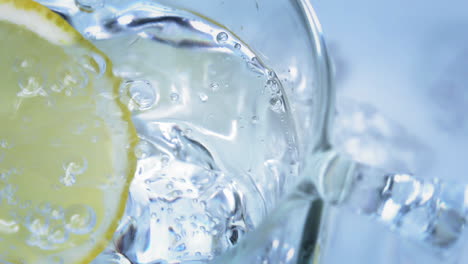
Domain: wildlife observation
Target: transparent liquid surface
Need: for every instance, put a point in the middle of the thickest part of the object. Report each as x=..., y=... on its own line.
x=217, y=148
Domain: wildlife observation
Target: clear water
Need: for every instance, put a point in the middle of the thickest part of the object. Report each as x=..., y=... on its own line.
x=217, y=148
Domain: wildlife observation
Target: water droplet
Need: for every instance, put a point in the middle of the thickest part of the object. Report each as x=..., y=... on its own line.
x=237, y=46
x=141, y=93
x=89, y=5
x=80, y=219
x=214, y=87
x=203, y=97
x=175, y=97
x=276, y=104
x=222, y=37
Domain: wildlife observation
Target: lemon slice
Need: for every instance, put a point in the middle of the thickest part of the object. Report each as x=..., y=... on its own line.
x=66, y=143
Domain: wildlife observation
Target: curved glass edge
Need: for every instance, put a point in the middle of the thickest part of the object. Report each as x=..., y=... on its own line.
x=313, y=237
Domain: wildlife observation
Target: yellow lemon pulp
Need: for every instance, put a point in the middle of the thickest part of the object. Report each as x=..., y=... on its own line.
x=66, y=142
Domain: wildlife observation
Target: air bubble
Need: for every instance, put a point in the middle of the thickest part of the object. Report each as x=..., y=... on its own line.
x=203, y=97
x=141, y=93
x=237, y=46
x=80, y=219
x=57, y=212
x=222, y=37
x=89, y=5
x=165, y=160
x=70, y=80
x=58, y=235
x=254, y=120
x=143, y=150
x=273, y=86
x=20, y=65
x=38, y=224
x=180, y=248
x=214, y=87
x=276, y=104
x=100, y=66
x=73, y=169
x=174, y=97
x=31, y=86
x=255, y=66
x=39, y=241
x=175, y=194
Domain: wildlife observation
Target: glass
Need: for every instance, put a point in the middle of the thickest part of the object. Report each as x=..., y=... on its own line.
x=260, y=161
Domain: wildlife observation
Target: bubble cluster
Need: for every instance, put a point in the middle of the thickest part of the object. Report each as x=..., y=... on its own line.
x=50, y=226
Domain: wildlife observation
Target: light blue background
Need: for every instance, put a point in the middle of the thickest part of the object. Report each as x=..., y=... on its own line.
x=407, y=60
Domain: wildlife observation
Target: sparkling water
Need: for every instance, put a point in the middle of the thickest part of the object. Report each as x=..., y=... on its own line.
x=217, y=148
